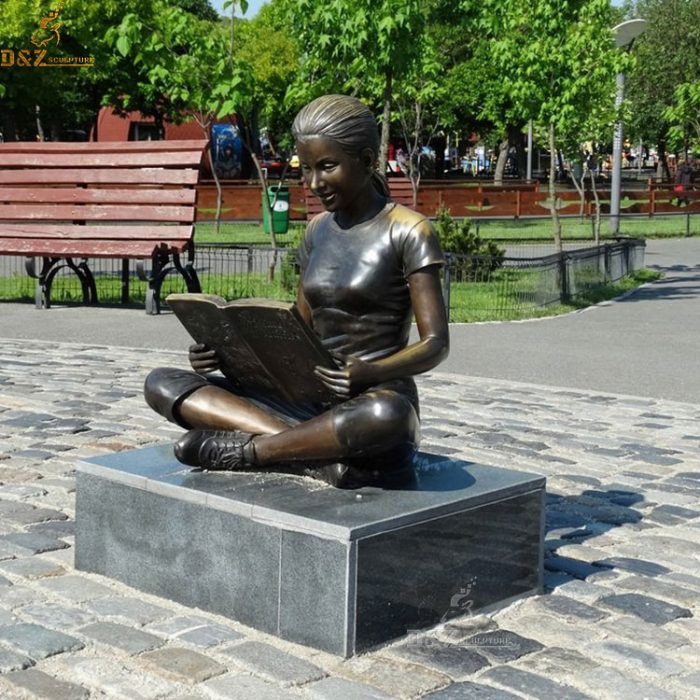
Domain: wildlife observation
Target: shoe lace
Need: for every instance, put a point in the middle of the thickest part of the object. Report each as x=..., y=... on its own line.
x=219, y=453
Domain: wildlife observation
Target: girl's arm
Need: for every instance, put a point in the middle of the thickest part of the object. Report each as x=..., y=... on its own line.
x=428, y=352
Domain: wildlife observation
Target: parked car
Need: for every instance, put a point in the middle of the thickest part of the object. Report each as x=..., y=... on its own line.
x=275, y=167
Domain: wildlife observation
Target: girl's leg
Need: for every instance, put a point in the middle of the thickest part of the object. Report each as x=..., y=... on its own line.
x=191, y=401
x=212, y=407
x=375, y=422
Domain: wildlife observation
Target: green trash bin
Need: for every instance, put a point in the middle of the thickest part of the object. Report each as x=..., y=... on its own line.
x=279, y=198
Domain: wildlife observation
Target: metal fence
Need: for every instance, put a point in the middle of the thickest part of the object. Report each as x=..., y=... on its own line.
x=476, y=288
x=511, y=287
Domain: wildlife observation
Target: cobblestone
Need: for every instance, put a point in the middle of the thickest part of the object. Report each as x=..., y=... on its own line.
x=623, y=546
x=649, y=609
x=182, y=665
x=37, y=641
x=272, y=664
x=531, y=684
x=609, y=682
x=42, y=685
x=128, y=639
x=454, y=660
x=237, y=687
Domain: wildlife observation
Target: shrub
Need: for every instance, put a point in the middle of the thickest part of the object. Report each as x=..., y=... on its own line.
x=477, y=257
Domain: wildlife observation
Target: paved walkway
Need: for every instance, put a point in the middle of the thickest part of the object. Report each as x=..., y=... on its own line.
x=618, y=619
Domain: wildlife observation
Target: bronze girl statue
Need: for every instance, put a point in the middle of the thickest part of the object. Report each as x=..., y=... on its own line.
x=367, y=266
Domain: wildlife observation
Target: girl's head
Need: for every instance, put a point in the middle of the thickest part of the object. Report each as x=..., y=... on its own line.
x=342, y=118
x=345, y=120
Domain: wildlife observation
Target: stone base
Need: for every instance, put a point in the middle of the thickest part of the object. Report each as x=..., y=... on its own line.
x=335, y=570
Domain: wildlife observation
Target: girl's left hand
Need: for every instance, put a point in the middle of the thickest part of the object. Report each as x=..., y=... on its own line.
x=351, y=378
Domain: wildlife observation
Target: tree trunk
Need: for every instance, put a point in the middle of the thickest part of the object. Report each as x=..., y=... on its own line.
x=501, y=161
x=553, y=202
x=580, y=190
x=270, y=208
x=159, y=124
x=249, y=146
x=39, y=127
x=219, y=193
x=517, y=140
x=662, y=169
x=386, y=122
x=596, y=225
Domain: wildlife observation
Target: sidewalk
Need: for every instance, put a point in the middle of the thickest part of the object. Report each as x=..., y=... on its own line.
x=623, y=565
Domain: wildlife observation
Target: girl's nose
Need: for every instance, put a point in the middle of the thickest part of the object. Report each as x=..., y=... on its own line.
x=316, y=180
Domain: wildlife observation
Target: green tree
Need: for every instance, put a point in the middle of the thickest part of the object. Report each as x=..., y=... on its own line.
x=269, y=48
x=69, y=98
x=358, y=46
x=178, y=67
x=557, y=64
x=668, y=57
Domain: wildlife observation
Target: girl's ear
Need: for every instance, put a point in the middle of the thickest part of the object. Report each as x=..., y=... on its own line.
x=368, y=158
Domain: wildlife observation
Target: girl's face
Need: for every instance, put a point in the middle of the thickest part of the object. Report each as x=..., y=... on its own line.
x=342, y=182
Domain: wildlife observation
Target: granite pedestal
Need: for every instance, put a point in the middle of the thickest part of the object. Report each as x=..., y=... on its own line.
x=336, y=570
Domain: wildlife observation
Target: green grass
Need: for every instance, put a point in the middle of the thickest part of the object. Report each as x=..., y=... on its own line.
x=509, y=294
x=233, y=233
x=512, y=295
x=575, y=229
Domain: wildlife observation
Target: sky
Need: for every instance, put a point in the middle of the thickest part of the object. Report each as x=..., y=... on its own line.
x=253, y=6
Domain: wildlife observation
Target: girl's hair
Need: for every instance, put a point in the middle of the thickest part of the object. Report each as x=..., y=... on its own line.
x=348, y=122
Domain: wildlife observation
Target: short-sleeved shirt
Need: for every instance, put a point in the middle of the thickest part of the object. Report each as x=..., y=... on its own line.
x=355, y=280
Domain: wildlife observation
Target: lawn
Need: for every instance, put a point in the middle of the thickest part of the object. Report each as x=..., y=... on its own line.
x=233, y=233
x=509, y=294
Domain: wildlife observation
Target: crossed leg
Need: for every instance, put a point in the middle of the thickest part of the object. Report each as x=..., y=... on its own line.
x=380, y=421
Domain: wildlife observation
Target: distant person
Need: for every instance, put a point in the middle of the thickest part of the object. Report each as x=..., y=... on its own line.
x=228, y=166
x=684, y=183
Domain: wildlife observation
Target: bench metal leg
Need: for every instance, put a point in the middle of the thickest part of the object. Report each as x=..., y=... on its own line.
x=49, y=269
x=160, y=268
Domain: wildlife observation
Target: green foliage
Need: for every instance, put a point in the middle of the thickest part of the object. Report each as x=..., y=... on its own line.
x=683, y=116
x=290, y=270
x=456, y=236
x=556, y=62
x=272, y=53
x=174, y=65
x=353, y=46
x=667, y=66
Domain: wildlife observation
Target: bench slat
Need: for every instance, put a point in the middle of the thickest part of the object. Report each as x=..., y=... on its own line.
x=101, y=147
x=95, y=212
x=154, y=176
x=45, y=195
x=100, y=160
x=88, y=249
x=66, y=231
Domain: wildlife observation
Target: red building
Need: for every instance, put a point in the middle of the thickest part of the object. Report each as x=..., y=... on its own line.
x=134, y=126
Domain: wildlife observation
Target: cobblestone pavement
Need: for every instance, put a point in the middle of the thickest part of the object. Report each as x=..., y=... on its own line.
x=622, y=567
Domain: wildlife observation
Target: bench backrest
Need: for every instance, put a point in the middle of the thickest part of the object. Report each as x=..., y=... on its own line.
x=98, y=199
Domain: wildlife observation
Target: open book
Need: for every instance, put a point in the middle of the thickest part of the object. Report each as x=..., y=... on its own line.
x=262, y=345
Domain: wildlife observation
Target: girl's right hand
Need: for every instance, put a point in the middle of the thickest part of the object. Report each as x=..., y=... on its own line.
x=203, y=359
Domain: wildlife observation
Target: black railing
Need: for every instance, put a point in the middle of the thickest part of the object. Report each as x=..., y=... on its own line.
x=476, y=288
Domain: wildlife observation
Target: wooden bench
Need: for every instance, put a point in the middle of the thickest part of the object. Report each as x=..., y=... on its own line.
x=68, y=202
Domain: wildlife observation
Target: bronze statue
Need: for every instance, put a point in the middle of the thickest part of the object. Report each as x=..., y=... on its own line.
x=367, y=266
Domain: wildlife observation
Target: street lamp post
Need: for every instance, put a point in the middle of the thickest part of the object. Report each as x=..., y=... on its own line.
x=625, y=34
